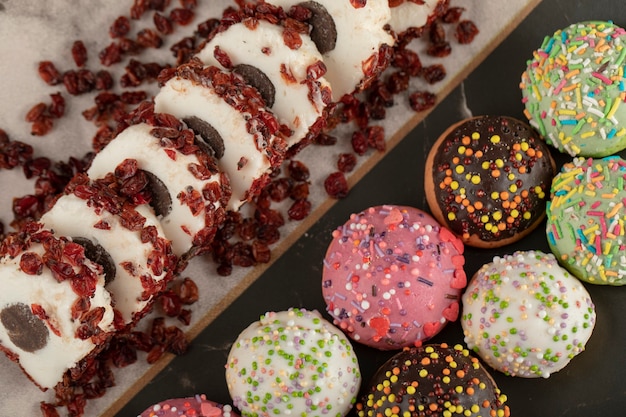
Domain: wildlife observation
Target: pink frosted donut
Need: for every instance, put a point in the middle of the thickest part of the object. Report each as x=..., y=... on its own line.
x=197, y=406
x=393, y=277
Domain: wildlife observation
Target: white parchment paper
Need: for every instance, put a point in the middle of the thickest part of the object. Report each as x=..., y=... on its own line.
x=35, y=30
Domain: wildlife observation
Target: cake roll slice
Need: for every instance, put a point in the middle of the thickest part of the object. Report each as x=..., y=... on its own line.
x=136, y=256
x=230, y=121
x=286, y=68
x=55, y=313
x=184, y=185
x=351, y=37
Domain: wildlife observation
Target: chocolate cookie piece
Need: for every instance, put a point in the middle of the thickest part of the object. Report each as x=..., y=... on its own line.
x=25, y=330
x=212, y=142
x=161, y=198
x=97, y=254
x=257, y=78
x=323, y=29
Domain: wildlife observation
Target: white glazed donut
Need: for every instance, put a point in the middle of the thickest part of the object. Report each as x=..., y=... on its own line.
x=293, y=362
x=359, y=34
x=526, y=316
x=141, y=269
x=191, y=213
x=50, y=319
x=299, y=97
x=246, y=129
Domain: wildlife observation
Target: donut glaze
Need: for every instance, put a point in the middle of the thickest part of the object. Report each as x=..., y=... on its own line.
x=293, y=362
x=487, y=179
x=393, y=277
x=526, y=316
x=573, y=91
x=433, y=380
x=586, y=217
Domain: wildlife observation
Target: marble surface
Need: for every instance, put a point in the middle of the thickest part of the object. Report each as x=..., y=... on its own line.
x=31, y=30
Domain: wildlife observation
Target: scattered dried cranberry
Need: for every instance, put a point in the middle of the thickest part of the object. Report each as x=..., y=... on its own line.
x=49, y=73
x=452, y=15
x=465, y=32
x=120, y=27
x=299, y=210
x=298, y=171
x=336, y=185
x=422, y=101
x=434, y=73
x=182, y=16
x=346, y=162
x=79, y=53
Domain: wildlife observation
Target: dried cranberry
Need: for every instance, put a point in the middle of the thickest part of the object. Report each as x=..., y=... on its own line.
x=300, y=191
x=299, y=210
x=79, y=53
x=422, y=100
x=57, y=107
x=182, y=16
x=261, y=252
x=110, y=55
x=163, y=24
x=466, y=31
x=359, y=142
x=439, y=50
x=452, y=15
x=298, y=171
x=346, y=162
x=104, y=80
x=120, y=27
x=434, y=73
x=336, y=185
x=36, y=112
x=148, y=38
x=325, y=139
x=49, y=73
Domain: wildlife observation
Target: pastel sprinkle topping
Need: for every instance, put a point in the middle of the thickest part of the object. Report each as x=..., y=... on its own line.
x=526, y=316
x=574, y=89
x=293, y=362
x=586, y=217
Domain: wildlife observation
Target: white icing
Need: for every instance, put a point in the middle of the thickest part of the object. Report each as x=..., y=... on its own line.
x=182, y=98
x=47, y=365
x=72, y=217
x=263, y=47
x=527, y=316
x=411, y=15
x=136, y=142
x=360, y=34
x=297, y=352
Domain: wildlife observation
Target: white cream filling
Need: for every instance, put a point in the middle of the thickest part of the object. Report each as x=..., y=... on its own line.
x=411, y=15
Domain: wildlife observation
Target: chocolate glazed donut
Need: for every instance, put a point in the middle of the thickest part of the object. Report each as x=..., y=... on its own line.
x=487, y=179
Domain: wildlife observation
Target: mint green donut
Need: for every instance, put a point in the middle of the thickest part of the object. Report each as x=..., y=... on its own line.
x=574, y=89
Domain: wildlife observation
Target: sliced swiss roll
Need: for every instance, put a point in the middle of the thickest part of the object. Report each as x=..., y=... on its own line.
x=183, y=183
x=284, y=66
x=351, y=37
x=127, y=242
x=230, y=121
x=55, y=312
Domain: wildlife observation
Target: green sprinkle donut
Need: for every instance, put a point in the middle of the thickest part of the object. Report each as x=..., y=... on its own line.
x=586, y=219
x=574, y=89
